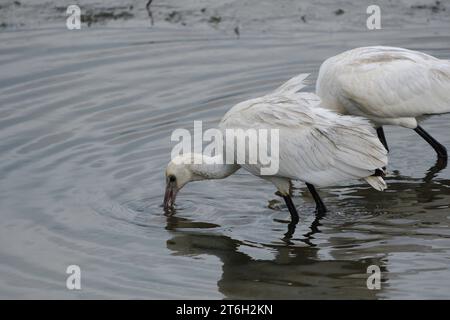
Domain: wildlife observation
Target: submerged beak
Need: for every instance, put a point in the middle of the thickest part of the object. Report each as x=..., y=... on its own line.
x=170, y=195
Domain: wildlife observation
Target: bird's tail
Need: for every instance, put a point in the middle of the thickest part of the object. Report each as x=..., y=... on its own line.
x=377, y=183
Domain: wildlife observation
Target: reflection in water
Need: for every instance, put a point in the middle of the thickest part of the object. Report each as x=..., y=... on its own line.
x=85, y=122
x=405, y=195
x=440, y=165
x=298, y=271
x=314, y=229
x=294, y=272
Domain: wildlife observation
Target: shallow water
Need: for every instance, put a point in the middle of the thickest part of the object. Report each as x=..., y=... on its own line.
x=85, y=124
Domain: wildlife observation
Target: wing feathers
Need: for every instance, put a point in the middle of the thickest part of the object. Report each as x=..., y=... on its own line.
x=293, y=85
x=316, y=145
x=386, y=83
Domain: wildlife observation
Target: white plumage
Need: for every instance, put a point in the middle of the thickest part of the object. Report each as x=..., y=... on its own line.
x=390, y=86
x=317, y=146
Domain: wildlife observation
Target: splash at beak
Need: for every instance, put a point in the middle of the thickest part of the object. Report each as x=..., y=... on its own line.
x=170, y=195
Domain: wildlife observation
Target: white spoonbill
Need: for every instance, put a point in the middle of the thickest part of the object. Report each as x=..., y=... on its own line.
x=390, y=86
x=316, y=146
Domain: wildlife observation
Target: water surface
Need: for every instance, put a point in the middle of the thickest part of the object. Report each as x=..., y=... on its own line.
x=85, y=124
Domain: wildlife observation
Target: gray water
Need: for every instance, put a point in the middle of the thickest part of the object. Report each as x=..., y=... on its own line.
x=85, y=125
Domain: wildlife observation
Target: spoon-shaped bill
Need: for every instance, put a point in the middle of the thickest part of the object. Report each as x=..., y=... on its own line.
x=170, y=195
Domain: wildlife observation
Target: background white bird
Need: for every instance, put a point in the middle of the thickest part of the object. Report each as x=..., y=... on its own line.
x=316, y=146
x=390, y=86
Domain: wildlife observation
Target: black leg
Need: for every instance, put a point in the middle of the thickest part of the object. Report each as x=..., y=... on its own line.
x=439, y=148
x=382, y=137
x=292, y=210
x=314, y=229
x=320, y=206
x=440, y=165
x=290, y=232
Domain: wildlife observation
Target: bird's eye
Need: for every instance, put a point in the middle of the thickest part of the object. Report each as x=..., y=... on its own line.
x=172, y=178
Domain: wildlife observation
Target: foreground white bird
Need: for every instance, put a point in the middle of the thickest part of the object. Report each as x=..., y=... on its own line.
x=390, y=86
x=316, y=146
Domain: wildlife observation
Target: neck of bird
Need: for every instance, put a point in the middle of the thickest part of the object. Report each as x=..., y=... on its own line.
x=212, y=168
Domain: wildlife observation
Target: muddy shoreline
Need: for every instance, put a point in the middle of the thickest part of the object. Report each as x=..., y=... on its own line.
x=231, y=17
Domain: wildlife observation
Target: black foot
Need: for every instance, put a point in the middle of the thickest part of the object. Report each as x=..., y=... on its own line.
x=292, y=209
x=440, y=165
x=320, y=206
x=314, y=230
x=290, y=232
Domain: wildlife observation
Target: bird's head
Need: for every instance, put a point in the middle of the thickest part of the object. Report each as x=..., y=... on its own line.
x=179, y=172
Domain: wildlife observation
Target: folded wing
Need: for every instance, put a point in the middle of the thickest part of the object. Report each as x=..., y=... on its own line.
x=387, y=82
x=316, y=145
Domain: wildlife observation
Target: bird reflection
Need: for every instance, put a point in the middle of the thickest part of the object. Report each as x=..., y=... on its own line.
x=314, y=227
x=293, y=272
x=440, y=165
x=292, y=225
x=299, y=268
x=405, y=195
